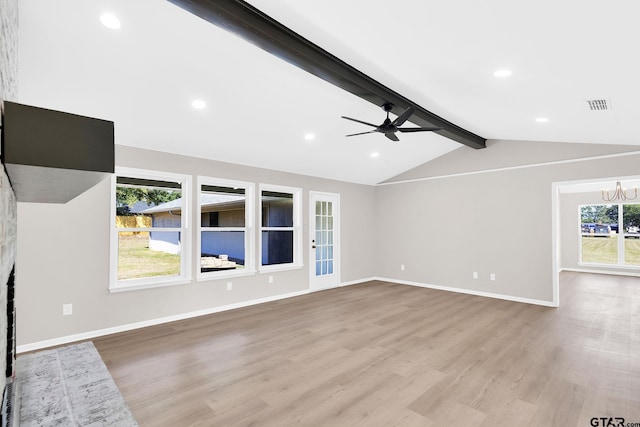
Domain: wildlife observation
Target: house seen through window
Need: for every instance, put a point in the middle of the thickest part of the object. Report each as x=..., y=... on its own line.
x=610, y=234
x=149, y=229
x=225, y=237
x=279, y=226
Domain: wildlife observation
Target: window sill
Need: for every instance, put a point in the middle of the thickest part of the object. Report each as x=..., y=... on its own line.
x=279, y=267
x=143, y=284
x=209, y=277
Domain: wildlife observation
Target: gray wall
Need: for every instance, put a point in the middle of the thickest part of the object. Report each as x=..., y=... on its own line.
x=443, y=229
x=63, y=254
x=8, y=91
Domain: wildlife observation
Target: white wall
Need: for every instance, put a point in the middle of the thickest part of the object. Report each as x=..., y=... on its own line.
x=444, y=228
x=63, y=254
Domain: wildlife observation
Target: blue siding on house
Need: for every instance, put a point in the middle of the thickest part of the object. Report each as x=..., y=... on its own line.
x=165, y=241
x=224, y=243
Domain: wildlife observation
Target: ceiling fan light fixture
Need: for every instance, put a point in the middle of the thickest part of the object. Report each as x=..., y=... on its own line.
x=390, y=127
x=375, y=154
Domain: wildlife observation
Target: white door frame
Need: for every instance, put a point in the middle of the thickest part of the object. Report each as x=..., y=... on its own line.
x=327, y=281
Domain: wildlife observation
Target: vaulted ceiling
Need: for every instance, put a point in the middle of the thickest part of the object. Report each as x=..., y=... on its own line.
x=260, y=109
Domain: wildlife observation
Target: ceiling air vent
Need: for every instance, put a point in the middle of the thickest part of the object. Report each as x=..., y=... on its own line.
x=598, y=104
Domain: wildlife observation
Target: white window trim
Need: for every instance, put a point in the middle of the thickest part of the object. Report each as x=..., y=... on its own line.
x=116, y=285
x=249, y=238
x=297, y=229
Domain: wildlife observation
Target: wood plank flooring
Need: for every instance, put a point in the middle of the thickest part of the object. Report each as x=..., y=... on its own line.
x=381, y=354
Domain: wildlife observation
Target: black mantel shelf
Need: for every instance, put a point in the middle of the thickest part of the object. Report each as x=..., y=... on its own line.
x=51, y=156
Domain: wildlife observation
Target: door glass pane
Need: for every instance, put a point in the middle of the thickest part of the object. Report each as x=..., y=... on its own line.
x=324, y=238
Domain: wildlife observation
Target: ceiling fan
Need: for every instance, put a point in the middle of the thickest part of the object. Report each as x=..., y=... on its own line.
x=388, y=127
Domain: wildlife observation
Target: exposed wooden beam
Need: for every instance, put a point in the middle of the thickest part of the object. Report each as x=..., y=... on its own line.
x=265, y=32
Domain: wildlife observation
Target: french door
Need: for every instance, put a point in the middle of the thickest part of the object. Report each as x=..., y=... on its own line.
x=324, y=240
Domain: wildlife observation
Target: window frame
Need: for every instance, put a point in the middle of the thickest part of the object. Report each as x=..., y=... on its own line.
x=184, y=277
x=621, y=235
x=249, y=229
x=296, y=228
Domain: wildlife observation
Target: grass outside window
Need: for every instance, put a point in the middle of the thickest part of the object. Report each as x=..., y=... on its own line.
x=604, y=250
x=136, y=260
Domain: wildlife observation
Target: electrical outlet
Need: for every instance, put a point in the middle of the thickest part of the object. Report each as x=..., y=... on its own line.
x=67, y=309
x=492, y=276
x=229, y=286
x=270, y=279
x=402, y=267
x=475, y=274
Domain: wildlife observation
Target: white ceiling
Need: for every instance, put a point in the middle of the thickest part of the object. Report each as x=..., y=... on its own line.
x=441, y=55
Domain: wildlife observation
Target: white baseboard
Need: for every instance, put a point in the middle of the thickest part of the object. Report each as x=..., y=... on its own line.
x=610, y=272
x=357, y=282
x=471, y=292
x=131, y=326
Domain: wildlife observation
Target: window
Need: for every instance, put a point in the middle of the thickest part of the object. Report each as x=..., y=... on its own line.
x=150, y=239
x=610, y=235
x=225, y=238
x=279, y=233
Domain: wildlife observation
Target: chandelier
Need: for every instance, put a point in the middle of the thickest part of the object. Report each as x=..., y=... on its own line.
x=619, y=194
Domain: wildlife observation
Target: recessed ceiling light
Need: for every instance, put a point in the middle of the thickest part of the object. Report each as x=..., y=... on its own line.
x=374, y=154
x=502, y=73
x=542, y=119
x=198, y=104
x=109, y=20
x=309, y=137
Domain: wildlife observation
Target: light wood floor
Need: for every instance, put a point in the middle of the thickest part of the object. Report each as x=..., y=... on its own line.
x=381, y=354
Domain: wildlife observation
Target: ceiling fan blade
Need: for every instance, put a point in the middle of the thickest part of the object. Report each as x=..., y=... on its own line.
x=392, y=136
x=404, y=116
x=419, y=129
x=359, y=121
x=362, y=133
